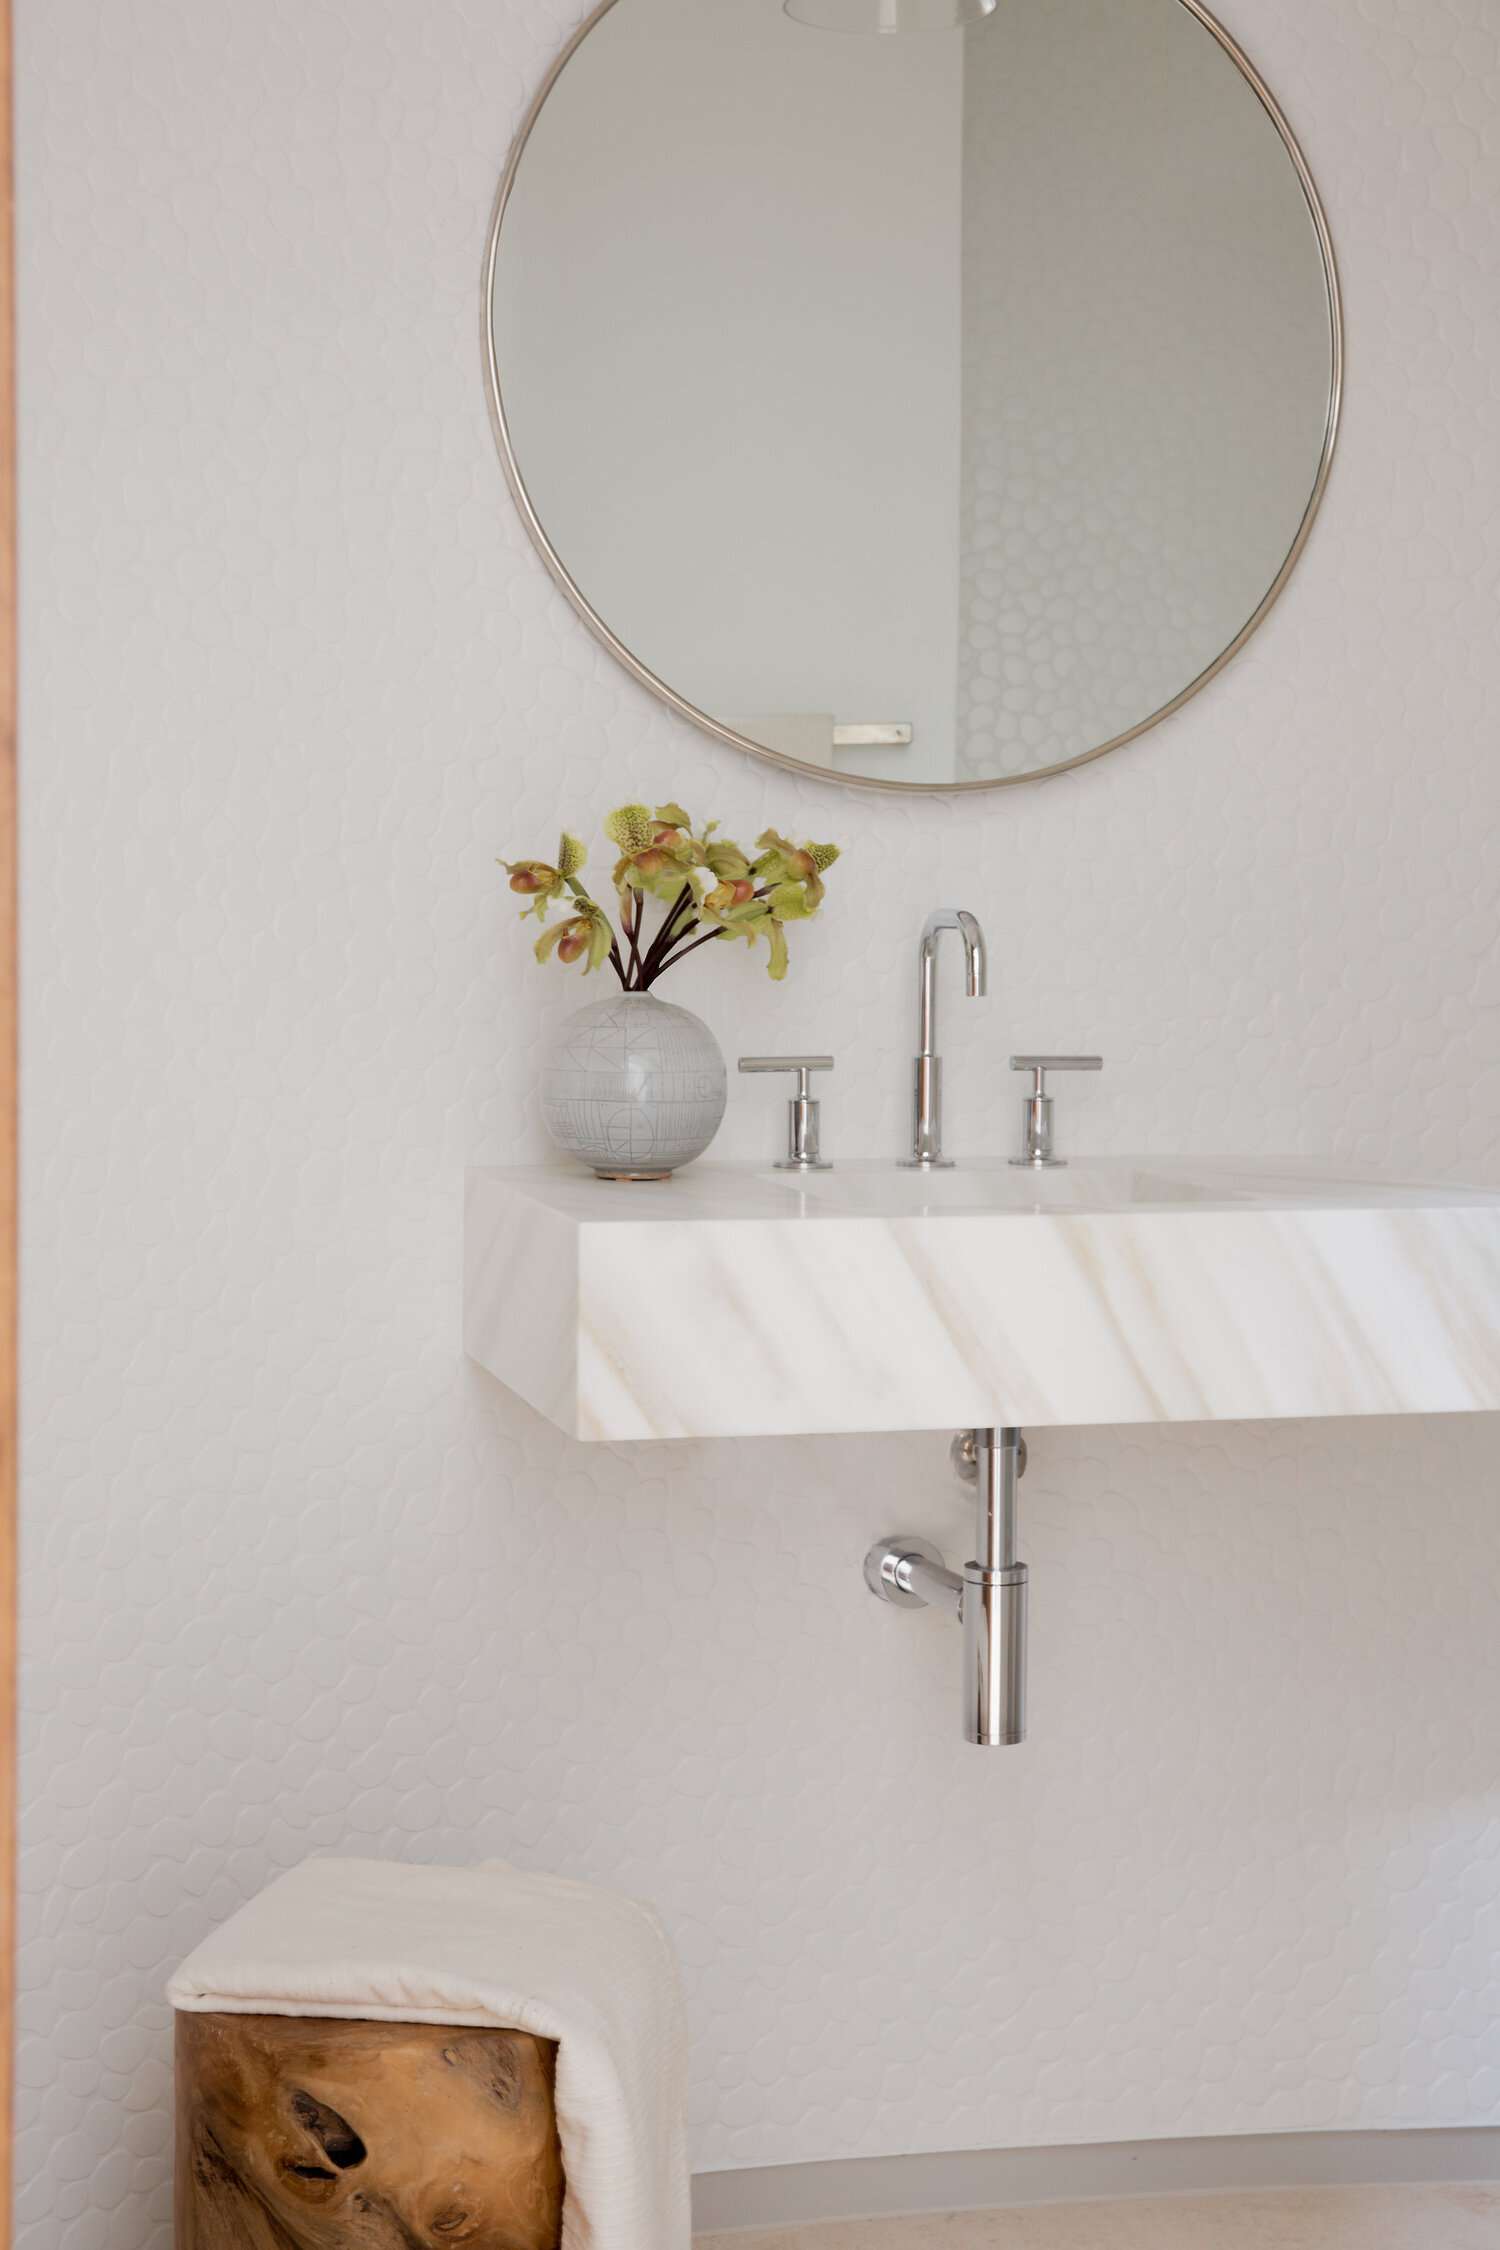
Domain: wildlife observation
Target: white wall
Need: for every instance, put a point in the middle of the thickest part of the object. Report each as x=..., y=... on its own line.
x=293, y=1571
x=764, y=377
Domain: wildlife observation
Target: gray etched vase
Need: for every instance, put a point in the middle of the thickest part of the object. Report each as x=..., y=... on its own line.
x=633, y=1086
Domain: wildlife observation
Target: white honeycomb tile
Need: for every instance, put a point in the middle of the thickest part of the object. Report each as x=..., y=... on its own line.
x=296, y=1574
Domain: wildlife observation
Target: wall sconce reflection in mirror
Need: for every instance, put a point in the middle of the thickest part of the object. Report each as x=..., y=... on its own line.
x=889, y=15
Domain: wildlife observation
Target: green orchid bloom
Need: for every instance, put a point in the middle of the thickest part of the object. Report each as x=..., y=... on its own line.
x=752, y=921
x=707, y=885
x=585, y=937
x=719, y=899
x=541, y=881
x=631, y=827
x=662, y=865
x=536, y=880
x=789, y=902
x=781, y=861
x=757, y=923
x=728, y=862
x=773, y=856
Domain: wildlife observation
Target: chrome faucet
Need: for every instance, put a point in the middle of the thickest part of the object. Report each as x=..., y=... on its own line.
x=927, y=1097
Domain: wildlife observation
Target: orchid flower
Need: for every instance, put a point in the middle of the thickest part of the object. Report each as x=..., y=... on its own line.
x=707, y=885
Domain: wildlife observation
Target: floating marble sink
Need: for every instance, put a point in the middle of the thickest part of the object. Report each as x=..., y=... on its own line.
x=734, y=1302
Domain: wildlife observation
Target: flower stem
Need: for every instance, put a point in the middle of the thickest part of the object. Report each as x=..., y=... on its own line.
x=681, y=905
x=630, y=914
x=665, y=937
x=687, y=949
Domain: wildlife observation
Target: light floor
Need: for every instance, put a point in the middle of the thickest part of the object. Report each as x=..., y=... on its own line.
x=1365, y=2218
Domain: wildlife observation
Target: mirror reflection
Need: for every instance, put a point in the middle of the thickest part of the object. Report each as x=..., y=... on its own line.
x=925, y=409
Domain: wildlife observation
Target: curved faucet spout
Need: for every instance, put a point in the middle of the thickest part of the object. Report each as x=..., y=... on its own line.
x=927, y=1106
x=976, y=970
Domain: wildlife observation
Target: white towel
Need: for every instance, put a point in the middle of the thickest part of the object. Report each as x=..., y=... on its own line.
x=492, y=1946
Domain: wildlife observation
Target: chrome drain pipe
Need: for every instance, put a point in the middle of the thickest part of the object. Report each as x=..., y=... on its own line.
x=988, y=1598
x=993, y=1608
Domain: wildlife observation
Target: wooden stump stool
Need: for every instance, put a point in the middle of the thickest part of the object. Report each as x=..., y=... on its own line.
x=307, y=2133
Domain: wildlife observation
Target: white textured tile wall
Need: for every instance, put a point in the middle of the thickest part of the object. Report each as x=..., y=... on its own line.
x=298, y=1579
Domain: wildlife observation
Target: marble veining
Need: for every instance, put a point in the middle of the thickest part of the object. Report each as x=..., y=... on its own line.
x=1141, y=1290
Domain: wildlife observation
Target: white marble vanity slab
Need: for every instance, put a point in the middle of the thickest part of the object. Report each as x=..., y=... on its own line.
x=730, y=1302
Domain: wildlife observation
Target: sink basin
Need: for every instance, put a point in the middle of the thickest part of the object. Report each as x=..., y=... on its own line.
x=1127, y=1184
x=885, y=1191
x=739, y=1302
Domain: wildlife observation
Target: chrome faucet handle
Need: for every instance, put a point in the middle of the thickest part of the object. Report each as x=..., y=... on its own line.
x=803, y=1113
x=1036, y=1110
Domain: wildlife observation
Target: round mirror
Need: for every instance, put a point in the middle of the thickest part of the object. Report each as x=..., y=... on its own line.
x=932, y=411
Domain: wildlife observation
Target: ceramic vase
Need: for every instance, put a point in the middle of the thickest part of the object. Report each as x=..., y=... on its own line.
x=633, y=1086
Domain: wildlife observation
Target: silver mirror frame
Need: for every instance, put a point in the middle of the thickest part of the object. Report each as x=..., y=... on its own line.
x=642, y=672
